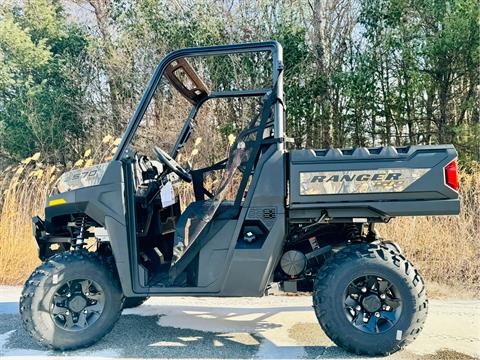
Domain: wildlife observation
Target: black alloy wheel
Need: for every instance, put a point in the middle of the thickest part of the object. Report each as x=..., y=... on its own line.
x=369, y=299
x=372, y=304
x=77, y=304
x=71, y=300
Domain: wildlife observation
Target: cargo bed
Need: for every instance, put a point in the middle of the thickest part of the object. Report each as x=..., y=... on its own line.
x=374, y=183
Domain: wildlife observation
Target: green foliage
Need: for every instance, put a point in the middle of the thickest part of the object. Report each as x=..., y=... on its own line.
x=39, y=95
x=364, y=73
x=424, y=61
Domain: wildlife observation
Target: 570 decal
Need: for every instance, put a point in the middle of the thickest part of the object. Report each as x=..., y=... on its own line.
x=81, y=177
x=80, y=174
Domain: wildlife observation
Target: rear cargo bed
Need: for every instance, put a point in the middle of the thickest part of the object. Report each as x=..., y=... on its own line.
x=375, y=183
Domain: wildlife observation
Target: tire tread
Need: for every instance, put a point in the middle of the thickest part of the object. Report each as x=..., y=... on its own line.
x=326, y=276
x=45, y=270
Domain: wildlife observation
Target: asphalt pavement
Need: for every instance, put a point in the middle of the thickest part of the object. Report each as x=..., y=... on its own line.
x=269, y=327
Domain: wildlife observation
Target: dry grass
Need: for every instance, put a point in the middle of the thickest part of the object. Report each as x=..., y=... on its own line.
x=445, y=249
x=23, y=191
x=22, y=198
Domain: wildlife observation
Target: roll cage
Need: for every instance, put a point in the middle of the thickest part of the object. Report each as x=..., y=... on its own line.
x=199, y=94
x=251, y=139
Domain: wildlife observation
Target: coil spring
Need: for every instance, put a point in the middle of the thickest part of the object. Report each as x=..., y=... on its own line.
x=353, y=232
x=82, y=223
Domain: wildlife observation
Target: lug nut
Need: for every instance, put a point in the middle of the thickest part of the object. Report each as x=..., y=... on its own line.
x=364, y=289
x=358, y=308
x=387, y=308
x=86, y=311
x=365, y=319
x=67, y=312
x=377, y=314
x=382, y=296
x=68, y=295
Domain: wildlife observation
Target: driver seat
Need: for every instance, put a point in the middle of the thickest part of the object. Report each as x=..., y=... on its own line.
x=189, y=224
x=202, y=212
x=195, y=221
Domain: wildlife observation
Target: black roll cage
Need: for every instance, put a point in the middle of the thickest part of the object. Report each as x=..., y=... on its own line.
x=277, y=88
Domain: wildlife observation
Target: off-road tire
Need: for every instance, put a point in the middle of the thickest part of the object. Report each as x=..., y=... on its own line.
x=50, y=275
x=360, y=260
x=133, y=302
x=390, y=245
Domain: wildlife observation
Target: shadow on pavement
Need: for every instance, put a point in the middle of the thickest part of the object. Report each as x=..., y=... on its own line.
x=137, y=336
x=9, y=307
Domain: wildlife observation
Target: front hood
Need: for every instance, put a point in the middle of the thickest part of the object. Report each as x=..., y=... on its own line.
x=75, y=179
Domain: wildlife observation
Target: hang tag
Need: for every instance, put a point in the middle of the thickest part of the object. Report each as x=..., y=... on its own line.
x=167, y=194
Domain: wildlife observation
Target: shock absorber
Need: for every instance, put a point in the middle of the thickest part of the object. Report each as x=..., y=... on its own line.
x=80, y=239
x=353, y=233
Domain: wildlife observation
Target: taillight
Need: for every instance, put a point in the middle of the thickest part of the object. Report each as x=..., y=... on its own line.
x=451, y=176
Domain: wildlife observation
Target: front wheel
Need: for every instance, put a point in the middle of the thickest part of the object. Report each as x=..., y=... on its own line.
x=370, y=300
x=71, y=301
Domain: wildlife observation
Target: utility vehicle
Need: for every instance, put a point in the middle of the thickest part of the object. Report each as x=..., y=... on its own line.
x=302, y=218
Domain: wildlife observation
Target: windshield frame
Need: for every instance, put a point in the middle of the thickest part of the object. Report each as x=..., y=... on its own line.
x=277, y=86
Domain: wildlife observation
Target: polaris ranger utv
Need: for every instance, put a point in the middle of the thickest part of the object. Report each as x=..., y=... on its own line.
x=301, y=218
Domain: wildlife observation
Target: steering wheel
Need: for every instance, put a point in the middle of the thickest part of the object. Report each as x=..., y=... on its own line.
x=172, y=164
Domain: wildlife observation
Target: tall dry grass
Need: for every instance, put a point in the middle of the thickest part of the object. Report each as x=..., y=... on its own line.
x=445, y=249
x=24, y=190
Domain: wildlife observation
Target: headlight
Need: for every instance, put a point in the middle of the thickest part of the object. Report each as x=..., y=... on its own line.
x=76, y=179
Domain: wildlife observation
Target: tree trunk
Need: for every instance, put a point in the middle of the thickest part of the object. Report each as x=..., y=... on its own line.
x=443, y=120
x=114, y=78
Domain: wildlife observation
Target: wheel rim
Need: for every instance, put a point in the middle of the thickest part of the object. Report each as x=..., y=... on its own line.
x=372, y=304
x=77, y=304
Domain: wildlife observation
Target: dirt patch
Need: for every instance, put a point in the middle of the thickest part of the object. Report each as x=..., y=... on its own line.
x=311, y=335
x=436, y=290
x=308, y=334
x=447, y=355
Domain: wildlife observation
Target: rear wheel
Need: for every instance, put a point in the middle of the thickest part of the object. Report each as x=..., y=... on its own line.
x=390, y=245
x=370, y=300
x=71, y=301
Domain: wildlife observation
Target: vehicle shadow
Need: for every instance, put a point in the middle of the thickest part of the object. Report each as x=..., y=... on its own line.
x=141, y=336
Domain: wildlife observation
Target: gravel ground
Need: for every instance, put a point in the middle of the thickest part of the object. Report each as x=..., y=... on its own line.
x=269, y=327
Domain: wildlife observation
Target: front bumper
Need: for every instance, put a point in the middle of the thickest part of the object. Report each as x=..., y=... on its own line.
x=39, y=233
